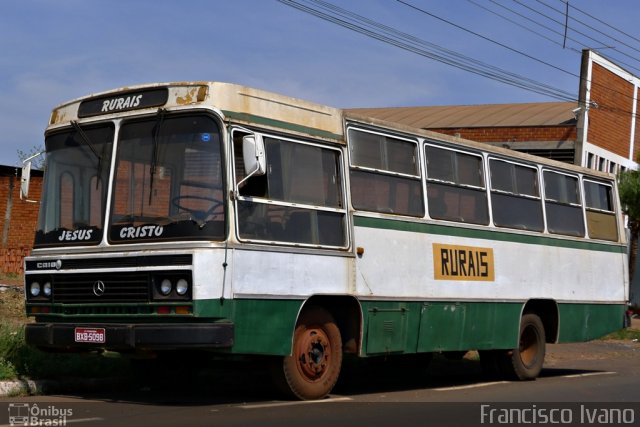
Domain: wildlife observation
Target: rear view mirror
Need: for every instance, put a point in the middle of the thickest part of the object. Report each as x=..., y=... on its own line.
x=253, y=154
x=25, y=178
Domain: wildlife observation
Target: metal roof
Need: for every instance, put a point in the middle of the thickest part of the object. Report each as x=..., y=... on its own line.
x=470, y=116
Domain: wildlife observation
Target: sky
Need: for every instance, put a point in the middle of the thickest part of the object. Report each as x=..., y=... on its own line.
x=52, y=51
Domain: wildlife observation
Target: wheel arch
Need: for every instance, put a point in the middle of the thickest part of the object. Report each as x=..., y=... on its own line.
x=347, y=312
x=548, y=312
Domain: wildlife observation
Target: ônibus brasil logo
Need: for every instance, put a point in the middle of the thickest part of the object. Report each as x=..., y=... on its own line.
x=25, y=414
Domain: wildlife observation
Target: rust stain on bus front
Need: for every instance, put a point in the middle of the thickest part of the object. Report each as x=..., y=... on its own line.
x=193, y=95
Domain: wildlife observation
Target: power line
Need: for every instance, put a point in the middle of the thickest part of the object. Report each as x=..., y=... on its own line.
x=389, y=35
x=518, y=23
x=590, y=27
x=579, y=32
x=334, y=14
x=601, y=21
x=630, y=97
x=519, y=52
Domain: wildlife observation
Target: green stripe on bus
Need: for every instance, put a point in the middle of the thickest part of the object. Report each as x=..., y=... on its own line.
x=261, y=326
x=265, y=326
x=584, y=322
x=433, y=326
x=259, y=120
x=492, y=234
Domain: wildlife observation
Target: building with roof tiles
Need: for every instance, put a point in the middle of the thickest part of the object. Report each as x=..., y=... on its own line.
x=545, y=129
x=599, y=131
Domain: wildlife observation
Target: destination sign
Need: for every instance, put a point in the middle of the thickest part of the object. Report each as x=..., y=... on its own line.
x=452, y=262
x=124, y=101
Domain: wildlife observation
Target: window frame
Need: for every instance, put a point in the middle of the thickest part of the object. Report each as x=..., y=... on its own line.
x=538, y=198
x=484, y=189
x=579, y=205
x=416, y=153
x=271, y=202
x=176, y=178
x=610, y=186
x=417, y=178
x=612, y=213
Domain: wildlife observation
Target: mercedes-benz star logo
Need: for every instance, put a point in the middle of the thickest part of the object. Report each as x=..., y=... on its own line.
x=98, y=288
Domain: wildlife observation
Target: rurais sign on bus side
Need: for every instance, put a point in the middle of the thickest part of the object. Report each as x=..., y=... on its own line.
x=453, y=262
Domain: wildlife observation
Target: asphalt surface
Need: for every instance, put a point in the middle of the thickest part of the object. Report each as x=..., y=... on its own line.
x=587, y=382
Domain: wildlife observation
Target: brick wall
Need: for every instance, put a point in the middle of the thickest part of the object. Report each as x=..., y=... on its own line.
x=514, y=134
x=18, y=219
x=610, y=122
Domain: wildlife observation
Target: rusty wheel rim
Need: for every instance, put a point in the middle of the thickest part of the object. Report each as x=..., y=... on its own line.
x=529, y=346
x=313, y=353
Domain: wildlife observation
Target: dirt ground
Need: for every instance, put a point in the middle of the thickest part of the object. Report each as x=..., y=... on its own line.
x=12, y=305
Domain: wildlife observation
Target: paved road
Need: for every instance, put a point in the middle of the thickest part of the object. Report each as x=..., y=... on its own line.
x=596, y=381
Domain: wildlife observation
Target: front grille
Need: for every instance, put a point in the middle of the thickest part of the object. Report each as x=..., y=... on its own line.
x=118, y=287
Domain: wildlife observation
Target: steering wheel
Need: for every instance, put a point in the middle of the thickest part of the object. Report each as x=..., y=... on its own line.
x=197, y=214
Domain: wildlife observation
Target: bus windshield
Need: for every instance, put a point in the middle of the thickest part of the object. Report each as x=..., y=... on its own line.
x=168, y=180
x=75, y=186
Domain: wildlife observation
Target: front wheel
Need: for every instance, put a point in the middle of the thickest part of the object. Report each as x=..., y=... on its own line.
x=312, y=369
x=525, y=362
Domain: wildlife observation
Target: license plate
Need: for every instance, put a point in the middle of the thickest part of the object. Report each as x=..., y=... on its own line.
x=90, y=335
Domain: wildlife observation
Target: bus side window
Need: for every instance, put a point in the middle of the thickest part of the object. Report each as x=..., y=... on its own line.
x=515, y=197
x=601, y=216
x=562, y=204
x=455, y=186
x=302, y=179
x=384, y=174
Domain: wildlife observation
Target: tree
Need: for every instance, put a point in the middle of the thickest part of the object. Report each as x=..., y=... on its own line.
x=38, y=162
x=629, y=190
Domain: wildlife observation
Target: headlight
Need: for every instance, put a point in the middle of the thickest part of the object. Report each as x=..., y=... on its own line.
x=46, y=289
x=182, y=287
x=165, y=287
x=34, y=289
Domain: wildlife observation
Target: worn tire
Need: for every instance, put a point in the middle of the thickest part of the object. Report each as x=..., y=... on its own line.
x=525, y=362
x=312, y=370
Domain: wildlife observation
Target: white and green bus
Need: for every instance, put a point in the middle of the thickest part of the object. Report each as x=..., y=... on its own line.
x=216, y=217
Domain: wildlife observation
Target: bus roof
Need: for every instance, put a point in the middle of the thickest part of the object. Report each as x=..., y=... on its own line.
x=238, y=103
x=354, y=117
x=250, y=106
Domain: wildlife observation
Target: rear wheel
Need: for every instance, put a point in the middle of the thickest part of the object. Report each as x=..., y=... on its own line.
x=525, y=362
x=314, y=365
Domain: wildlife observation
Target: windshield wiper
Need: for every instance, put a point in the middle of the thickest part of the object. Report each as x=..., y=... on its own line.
x=85, y=138
x=154, y=154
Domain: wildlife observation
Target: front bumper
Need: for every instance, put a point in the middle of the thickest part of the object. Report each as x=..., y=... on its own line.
x=126, y=337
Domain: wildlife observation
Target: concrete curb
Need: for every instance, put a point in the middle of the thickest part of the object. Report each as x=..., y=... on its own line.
x=18, y=387
x=73, y=385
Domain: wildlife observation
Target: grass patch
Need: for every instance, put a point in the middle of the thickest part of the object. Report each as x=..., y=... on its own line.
x=12, y=309
x=18, y=360
x=627, y=334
